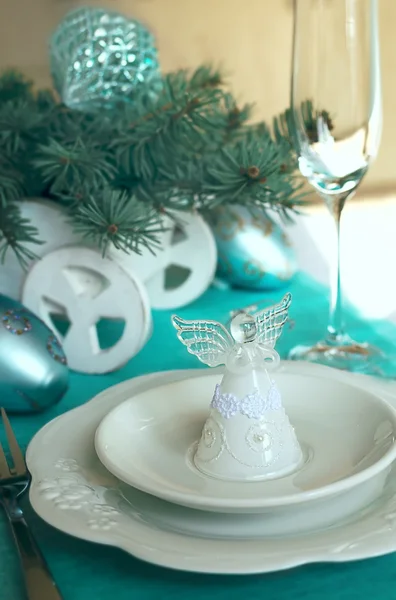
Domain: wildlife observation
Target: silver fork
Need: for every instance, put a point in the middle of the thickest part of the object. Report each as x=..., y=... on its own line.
x=14, y=482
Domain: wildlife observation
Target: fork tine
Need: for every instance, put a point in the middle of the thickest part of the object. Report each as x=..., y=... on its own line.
x=4, y=469
x=17, y=456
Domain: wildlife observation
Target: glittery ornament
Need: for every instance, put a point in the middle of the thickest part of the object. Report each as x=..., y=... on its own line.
x=98, y=58
x=253, y=252
x=33, y=370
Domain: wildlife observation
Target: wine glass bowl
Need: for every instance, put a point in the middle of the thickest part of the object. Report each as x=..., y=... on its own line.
x=336, y=112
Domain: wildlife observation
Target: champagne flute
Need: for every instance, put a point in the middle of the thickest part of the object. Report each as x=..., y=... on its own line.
x=336, y=128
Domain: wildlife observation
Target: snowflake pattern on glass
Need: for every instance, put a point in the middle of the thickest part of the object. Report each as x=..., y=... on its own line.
x=253, y=406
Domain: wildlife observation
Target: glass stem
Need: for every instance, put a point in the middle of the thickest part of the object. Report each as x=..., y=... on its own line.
x=335, y=328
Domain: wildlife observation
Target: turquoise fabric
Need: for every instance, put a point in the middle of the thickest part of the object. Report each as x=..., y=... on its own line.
x=84, y=571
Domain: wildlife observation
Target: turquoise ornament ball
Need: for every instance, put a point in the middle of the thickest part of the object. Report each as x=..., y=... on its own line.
x=253, y=252
x=33, y=367
x=99, y=58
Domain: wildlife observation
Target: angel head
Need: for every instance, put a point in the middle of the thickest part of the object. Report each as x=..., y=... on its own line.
x=252, y=337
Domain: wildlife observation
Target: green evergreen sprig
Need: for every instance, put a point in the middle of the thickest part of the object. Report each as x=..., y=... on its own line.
x=11, y=187
x=73, y=166
x=120, y=220
x=15, y=233
x=184, y=145
x=15, y=86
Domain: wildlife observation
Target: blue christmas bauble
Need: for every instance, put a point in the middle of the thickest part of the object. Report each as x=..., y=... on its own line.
x=253, y=252
x=33, y=368
x=98, y=58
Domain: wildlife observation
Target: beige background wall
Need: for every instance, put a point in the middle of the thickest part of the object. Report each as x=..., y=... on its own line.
x=251, y=39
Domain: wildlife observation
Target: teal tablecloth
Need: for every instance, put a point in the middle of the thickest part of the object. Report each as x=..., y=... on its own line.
x=84, y=571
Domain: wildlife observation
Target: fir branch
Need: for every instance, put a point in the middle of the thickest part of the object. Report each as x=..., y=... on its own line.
x=184, y=145
x=15, y=233
x=284, y=127
x=11, y=182
x=252, y=172
x=177, y=118
x=174, y=189
x=72, y=167
x=206, y=77
x=113, y=217
x=93, y=129
x=45, y=101
x=15, y=86
x=203, y=77
x=236, y=118
x=21, y=124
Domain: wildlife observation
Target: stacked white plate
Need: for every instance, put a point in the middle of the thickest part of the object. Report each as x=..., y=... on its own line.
x=120, y=471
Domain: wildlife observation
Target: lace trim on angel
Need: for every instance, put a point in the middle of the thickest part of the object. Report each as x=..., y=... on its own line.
x=253, y=406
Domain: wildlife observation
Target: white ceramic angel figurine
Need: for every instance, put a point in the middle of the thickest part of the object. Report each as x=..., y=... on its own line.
x=247, y=435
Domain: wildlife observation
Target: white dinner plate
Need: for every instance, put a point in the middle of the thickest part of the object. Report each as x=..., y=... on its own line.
x=72, y=491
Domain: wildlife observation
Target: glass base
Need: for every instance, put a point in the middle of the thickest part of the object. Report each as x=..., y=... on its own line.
x=346, y=354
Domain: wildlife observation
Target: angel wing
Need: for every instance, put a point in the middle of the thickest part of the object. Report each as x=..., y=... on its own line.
x=209, y=341
x=270, y=321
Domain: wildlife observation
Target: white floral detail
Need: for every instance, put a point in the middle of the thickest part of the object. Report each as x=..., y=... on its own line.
x=105, y=509
x=259, y=439
x=274, y=398
x=67, y=464
x=212, y=438
x=103, y=523
x=73, y=492
x=208, y=436
x=253, y=405
x=66, y=493
x=226, y=404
